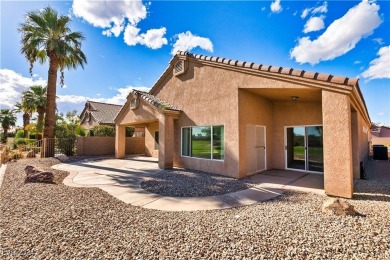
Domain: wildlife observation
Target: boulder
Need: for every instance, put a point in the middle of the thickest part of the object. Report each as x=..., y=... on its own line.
x=35, y=175
x=338, y=207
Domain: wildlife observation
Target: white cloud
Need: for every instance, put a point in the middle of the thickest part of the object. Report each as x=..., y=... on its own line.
x=187, y=41
x=357, y=62
x=321, y=9
x=314, y=24
x=305, y=13
x=120, y=16
x=276, y=7
x=263, y=9
x=341, y=36
x=314, y=10
x=153, y=38
x=379, y=41
x=381, y=113
x=379, y=67
x=119, y=98
x=13, y=84
x=109, y=14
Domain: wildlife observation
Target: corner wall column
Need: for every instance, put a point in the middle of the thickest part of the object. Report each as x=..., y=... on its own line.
x=166, y=146
x=120, y=141
x=338, y=170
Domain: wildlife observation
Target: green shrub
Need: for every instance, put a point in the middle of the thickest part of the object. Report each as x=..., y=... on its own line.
x=103, y=130
x=129, y=131
x=22, y=141
x=19, y=134
x=3, y=139
x=10, y=134
x=80, y=131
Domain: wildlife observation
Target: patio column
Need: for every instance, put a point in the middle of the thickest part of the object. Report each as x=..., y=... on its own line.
x=120, y=141
x=165, y=155
x=336, y=120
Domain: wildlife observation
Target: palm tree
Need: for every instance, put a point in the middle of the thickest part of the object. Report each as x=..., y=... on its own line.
x=36, y=97
x=47, y=37
x=27, y=110
x=7, y=119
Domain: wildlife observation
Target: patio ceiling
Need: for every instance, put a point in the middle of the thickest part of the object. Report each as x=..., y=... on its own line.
x=303, y=94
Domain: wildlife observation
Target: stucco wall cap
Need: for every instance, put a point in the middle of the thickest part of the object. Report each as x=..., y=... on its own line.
x=232, y=62
x=240, y=64
x=265, y=67
x=353, y=82
x=310, y=75
x=256, y=66
x=286, y=71
x=248, y=64
x=339, y=80
x=298, y=73
x=323, y=77
x=275, y=69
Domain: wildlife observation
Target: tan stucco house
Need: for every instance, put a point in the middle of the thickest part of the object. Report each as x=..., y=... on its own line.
x=99, y=113
x=239, y=118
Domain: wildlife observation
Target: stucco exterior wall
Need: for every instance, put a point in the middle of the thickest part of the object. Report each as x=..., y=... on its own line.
x=338, y=161
x=150, y=129
x=254, y=110
x=106, y=145
x=197, y=93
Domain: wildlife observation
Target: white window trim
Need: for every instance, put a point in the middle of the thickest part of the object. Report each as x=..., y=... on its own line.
x=211, y=149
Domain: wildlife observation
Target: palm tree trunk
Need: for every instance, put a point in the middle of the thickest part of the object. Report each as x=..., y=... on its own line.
x=26, y=122
x=41, y=113
x=50, y=116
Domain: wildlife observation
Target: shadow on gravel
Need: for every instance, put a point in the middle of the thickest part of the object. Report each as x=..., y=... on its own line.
x=376, y=186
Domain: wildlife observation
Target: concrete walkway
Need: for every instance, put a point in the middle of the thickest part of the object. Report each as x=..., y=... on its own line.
x=122, y=179
x=3, y=167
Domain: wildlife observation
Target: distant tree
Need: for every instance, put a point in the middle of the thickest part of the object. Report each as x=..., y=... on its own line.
x=103, y=130
x=46, y=36
x=7, y=119
x=27, y=110
x=35, y=97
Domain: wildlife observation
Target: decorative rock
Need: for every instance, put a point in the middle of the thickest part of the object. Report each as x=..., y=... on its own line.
x=35, y=175
x=339, y=208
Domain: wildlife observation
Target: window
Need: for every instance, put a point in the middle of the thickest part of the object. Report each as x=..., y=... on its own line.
x=156, y=136
x=205, y=142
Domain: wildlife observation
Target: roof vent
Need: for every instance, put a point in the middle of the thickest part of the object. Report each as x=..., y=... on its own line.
x=179, y=68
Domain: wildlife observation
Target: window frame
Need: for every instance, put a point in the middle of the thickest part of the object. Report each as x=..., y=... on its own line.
x=211, y=142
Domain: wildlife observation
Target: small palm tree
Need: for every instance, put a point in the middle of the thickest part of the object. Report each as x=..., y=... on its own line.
x=27, y=111
x=35, y=97
x=7, y=119
x=46, y=36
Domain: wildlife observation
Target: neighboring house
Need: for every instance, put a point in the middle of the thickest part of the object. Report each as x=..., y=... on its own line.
x=97, y=113
x=238, y=118
x=380, y=135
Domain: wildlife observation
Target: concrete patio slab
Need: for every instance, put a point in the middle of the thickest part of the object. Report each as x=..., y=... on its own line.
x=255, y=195
x=122, y=178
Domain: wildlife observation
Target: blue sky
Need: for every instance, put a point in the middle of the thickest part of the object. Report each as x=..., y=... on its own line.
x=129, y=43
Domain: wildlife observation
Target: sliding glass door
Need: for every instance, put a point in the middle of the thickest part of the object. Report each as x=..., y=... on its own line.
x=304, y=148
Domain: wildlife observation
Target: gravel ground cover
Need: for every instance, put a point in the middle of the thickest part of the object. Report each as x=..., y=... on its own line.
x=191, y=183
x=47, y=221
